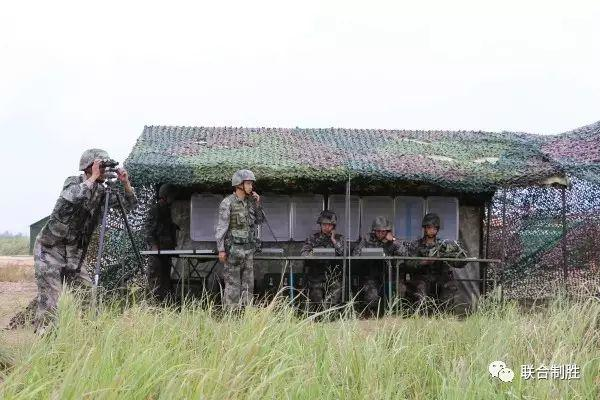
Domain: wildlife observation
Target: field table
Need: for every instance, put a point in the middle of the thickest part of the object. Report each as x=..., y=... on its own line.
x=194, y=257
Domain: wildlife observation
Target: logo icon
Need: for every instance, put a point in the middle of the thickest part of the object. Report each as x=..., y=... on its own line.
x=498, y=369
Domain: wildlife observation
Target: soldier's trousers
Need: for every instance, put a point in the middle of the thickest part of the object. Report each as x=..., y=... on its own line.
x=324, y=286
x=238, y=273
x=442, y=290
x=55, y=265
x=159, y=278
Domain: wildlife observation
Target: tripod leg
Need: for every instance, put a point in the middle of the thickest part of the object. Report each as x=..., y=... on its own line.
x=101, y=240
x=130, y=234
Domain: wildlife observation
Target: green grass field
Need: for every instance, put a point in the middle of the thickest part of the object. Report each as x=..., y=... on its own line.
x=142, y=352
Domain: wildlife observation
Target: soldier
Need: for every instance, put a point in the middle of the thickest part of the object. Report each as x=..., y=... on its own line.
x=324, y=277
x=438, y=279
x=240, y=214
x=62, y=243
x=381, y=236
x=161, y=234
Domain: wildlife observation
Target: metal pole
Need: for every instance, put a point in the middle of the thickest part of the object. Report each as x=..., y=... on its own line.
x=504, y=234
x=291, y=284
x=130, y=234
x=483, y=270
x=346, y=247
x=564, y=235
x=101, y=238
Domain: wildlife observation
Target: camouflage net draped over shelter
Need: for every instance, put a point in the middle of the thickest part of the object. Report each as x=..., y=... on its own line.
x=529, y=237
x=474, y=162
x=528, y=231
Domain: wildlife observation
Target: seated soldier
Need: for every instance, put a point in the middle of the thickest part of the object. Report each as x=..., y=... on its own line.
x=324, y=276
x=381, y=236
x=161, y=234
x=437, y=279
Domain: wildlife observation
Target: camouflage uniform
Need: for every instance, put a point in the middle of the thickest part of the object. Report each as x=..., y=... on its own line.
x=370, y=288
x=438, y=280
x=62, y=243
x=324, y=276
x=161, y=233
x=236, y=234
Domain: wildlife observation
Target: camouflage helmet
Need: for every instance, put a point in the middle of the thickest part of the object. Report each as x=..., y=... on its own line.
x=327, y=217
x=381, y=223
x=88, y=157
x=431, y=219
x=241, y=176
x=166, y=190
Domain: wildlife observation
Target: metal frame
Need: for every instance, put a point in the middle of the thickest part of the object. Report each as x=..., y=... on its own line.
x=198, y=255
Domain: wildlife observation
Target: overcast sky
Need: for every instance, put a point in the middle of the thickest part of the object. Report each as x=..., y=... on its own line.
x=75, y=75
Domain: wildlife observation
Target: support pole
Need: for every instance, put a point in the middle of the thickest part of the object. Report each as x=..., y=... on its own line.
x=504, y=235
x=565, y=260
x=483, y=270
x=346, y=247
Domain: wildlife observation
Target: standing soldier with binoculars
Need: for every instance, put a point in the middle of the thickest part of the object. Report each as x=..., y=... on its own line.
x=62, y=243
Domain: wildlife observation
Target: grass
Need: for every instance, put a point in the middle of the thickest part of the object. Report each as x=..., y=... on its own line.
x=16, y=268
x=13, y=245
x=140, y=352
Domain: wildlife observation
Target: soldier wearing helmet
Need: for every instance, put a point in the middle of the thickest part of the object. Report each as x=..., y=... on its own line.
x=161, y=234
x=381, y=236
x=240, y=214
x=324, y=277
x=62, y=243
x=436, y=280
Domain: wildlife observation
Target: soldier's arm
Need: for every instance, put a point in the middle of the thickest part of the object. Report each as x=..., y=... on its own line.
x=339, y=245
x=259, y=217
x=397, y=248
x=222, y=224
x=358, y=249
x=129, y=200
x=307, y=247
x=412, y=251
x=75, y=192
x=458, y=251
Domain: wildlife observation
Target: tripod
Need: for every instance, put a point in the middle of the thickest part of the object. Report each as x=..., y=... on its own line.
x=109, y=192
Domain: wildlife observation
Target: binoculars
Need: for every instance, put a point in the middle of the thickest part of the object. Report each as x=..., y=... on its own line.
x=108, y=163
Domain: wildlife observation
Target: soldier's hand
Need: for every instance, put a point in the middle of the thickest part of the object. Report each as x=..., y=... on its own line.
x=389, y=237
x=333, y=236
x=96, y=172
x=222, y=257
x=122, y=175
x=256, y=196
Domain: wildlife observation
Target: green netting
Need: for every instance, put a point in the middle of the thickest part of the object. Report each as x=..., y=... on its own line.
x=477, y=162
x=530, y=239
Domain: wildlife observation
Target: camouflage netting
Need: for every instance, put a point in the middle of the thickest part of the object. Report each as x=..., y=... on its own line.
x=475, y=162
x=530, y=238
x=119, y=263
x=578, y=151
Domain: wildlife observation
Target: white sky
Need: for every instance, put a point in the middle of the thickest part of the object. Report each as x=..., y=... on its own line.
x=78, y=74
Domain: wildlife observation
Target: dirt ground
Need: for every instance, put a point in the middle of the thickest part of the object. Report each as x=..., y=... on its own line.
x=17, y=286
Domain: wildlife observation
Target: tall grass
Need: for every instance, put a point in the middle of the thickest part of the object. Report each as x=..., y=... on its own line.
x=14, y=245
x=270, y=352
